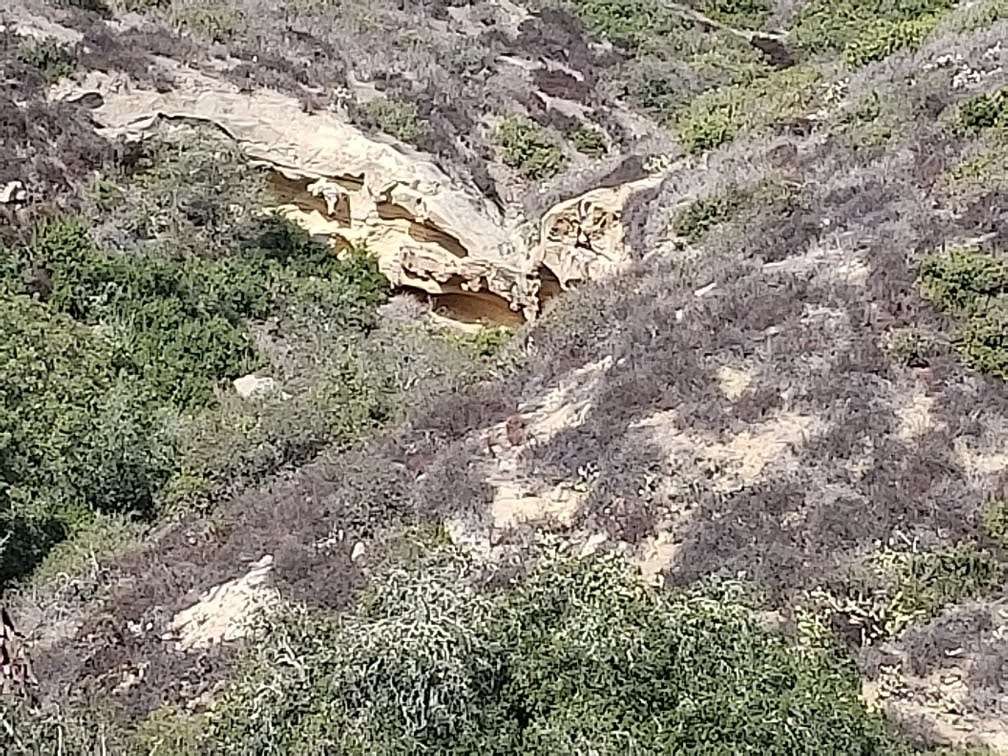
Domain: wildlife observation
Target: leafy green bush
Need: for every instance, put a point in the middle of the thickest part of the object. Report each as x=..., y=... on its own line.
x=866, y=30
x=395, y=117
x=75, y=433
x=897, y=588
x=93, y=375
x=921, y=584
x=995, y=520
x=972, y=286
x=180, y=324
x=887, y=36
x=633, y=24
x=578, y=657
x=983, y=340
x=985, y=111
x=744, y=14
x=701, y=215
x=719, y=115
x=484, y=343
x=52, y=59
x=527, y=149
x=963, y=280
x=588, y=140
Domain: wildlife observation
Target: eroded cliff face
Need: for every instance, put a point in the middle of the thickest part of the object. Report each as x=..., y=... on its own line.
x=429, y=231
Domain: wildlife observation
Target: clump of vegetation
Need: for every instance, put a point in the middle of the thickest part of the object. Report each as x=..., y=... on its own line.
x=485, y=343
x=188, y=192
x=76, y=434
x=180, y=324
x=887, y=36
x=50, y=58
x=103, y=349
x=701, y=215
x=983, y=171
x=527, y=149
x=897, y=588
x=718, y=116
x=633, y=24
x=214, y=20
x=866, y=30
x=972, y=286
x=743, y=14
x=588, y=140
x=986, y=111
x=964, y=280
x=911, y=347
x=995, y=520
x=395, y=117
x=577, y=655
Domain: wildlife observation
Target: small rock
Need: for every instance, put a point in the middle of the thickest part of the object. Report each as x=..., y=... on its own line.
x=358, y=551
x=13, y=191
x=252, y=386
x=592, y=544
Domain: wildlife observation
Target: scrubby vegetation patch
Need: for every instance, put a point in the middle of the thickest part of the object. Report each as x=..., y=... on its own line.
x=577, y=655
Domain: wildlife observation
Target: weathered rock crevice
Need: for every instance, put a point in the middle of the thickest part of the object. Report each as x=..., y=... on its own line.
x=428, y=232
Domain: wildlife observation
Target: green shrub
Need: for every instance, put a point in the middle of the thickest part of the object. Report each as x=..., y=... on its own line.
x=578, y=657
x=744, y=14
x=995, y=520
x=866, y=30
x=633, y=24
x=983, y=341
x=527, y=149
x=985, y=111
x=963, y=280
x=75, y=433
x=922, y=584
x=588, y=140
x=897, y=588
x=395, y=117
x=972, y=286
x=52, y=59
x=719, y=115
x=181, y=324
x=485, y=343
x=701, y=215
x=982, y=171
x=887, y=36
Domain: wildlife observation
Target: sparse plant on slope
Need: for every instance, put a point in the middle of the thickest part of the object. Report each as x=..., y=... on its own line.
x=972, y=286
x=52, y=59
x=995, y=520
x=588, y=140
x=986, y=111
x=395, y=117
x=527, y=149
x=718, y=116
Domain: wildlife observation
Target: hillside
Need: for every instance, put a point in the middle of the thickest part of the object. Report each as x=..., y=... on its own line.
x=598, y=376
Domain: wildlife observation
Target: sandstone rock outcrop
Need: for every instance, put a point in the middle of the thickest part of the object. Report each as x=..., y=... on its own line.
x=429, y=231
